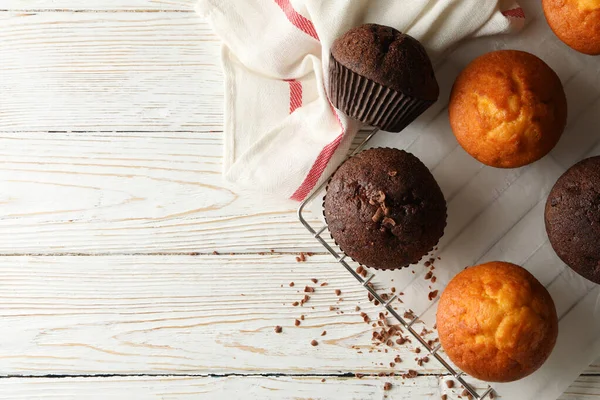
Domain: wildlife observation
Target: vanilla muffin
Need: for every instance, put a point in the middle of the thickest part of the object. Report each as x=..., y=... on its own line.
x=575, y=22
x=497, y=322
x=508, y=109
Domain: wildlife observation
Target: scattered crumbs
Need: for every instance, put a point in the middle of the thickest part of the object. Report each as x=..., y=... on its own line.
x=387, y=386
x=397, y=359
x=393, y=289
x=323, y=380
x=314, y=343
x=444, y=397
x=338, y=292
x=410, y=374
x=466, y=394
x=376, y=302
x=357, y=308
x=450, y=384
x=292, y=284
x=314, y=280
x=295, y=304
x=309, y=289
x=304, y=300
x=360, y=270
x=433, y=279
x=278, y=329
x=428, y=275
x=214, y=253
x=418, y=350
x=302, y=257
x=409, y=315
x=370, y=296
x=433, y=295
x=401, y=341
x=324, y=284
x=302, y=317
x=324, y=333
x=297, y=322
x=297, y=259
x=309, y=254
x=381, y=374
x=392, y=365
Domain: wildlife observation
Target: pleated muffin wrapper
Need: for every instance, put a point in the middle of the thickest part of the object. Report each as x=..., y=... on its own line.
x=340, y=247
x=370, y=102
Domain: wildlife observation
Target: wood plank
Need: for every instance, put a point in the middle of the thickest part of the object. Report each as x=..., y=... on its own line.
x=250, y=387
x=97, y=5
x=187, y=314
x=133, y=193
x=219, y=388
x=71, y=71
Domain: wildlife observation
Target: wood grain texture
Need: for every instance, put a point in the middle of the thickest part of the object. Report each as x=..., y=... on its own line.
x=71, y=71
x=251, y=387
x=221, y=388
x=186, y=314
x=133, y=193
x=98, y=5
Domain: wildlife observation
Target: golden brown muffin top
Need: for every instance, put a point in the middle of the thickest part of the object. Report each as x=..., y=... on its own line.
x=497, y=322
x=575, y=22
x=508, y=108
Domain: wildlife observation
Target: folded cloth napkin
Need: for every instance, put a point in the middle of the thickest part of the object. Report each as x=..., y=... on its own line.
x=282, y=136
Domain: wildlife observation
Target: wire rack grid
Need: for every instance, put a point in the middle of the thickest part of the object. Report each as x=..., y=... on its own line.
x=387, y=304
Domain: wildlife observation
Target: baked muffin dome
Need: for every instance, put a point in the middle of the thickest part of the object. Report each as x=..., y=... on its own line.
x=385, y=209
x=576, y=23
x=497, y=322
x=381, y=77
x=508, y=109
x=573, y=218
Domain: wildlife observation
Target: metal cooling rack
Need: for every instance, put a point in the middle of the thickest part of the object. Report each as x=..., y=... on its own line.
x=387, y=304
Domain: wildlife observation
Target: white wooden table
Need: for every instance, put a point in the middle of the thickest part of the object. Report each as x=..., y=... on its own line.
x=111, y=206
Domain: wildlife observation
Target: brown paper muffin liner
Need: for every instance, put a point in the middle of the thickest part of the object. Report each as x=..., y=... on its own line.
x=370, y=102
x=352, y=258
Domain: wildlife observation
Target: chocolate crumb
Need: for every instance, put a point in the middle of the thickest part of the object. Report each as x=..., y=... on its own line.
x=360, y=269
x=433, y=295
x=418, y=350
x=428, y=275
x=323, y=380
x=302, y=257
x=492, y=395
x=215, y=253
x=444, y=397
x=387, y=386
x=381, y=374
x=400, y=341
x=433, y=279
x=292, y=284
x=397, y=359
x=314, y=343
x=427, y=263
x=324, y=284
x=370, y=297
x=324, y=333
x=314, y=280
x=278, y=329
x=359, y=376
x=302, y=317
x=450, y=384
x=297, y=322
x=357, y=308
x=393, y=289
x=295, y=304
x=466, y=394
x=376, y=302
x=309, y=289
x=338, y=292
x=297, y=259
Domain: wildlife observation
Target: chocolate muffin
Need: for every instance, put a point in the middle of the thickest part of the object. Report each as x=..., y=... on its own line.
x=385, y=209
x=576, y=23
x=573, y=218
x=497, y=322
x=508, y=109
x=381, y=77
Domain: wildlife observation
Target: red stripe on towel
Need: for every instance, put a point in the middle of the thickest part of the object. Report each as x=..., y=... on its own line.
x=295, y=94
x=514, y=13
x=298, y=20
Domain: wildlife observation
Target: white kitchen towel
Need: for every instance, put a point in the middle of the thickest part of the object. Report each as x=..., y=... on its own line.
x=282, y=136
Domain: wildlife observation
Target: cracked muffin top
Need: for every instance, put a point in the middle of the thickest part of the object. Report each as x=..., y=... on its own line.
x=573, y=218
x=385, y=209
x=576, y=23
x=389, y=57
x=497, y=322
x=508, y=109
